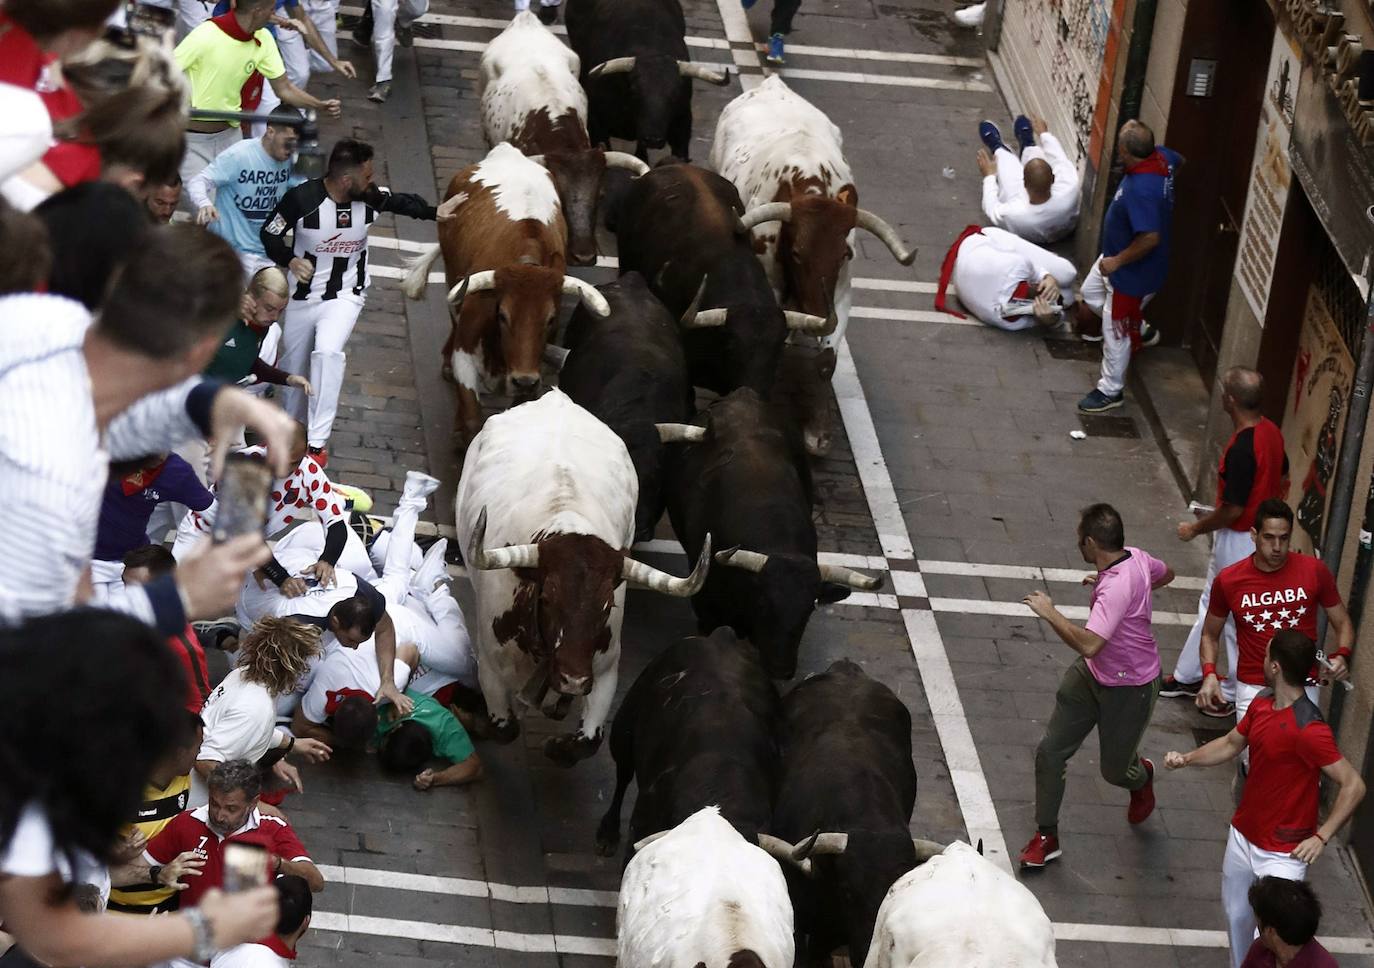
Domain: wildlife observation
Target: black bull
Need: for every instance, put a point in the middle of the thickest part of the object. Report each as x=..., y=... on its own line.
x=628, y=369
x=747, y=483
x=846, y=771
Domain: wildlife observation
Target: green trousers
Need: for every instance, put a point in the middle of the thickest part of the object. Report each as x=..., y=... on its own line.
x=1120, y=714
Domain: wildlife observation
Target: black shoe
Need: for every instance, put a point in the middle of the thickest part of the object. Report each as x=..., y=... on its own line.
x=1173, y=689
x=547, y=14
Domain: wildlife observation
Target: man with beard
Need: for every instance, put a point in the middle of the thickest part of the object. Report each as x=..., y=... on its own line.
x=1274, y=830
x=328, y=219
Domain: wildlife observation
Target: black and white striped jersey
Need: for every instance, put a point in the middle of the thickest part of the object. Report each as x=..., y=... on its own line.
x=332, y=235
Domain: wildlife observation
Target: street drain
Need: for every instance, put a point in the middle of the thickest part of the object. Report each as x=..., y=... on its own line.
x=1073, y=349
x=1098, y=425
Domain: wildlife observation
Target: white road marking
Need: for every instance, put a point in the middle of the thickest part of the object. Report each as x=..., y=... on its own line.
x=572, y=897
x=1072, y=576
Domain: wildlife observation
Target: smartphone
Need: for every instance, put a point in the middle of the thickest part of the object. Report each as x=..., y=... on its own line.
x=243, y=490
x=245, y=867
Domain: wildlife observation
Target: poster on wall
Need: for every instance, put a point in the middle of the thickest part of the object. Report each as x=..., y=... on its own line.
x=1313, y=419
x=1270, y=176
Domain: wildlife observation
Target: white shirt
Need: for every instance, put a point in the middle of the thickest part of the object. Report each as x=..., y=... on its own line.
x=53, y=463
x=240, y=718
x=1049, y=221
x=344, y=669
x=248, y=956
x=31, y=852
x=991, y=265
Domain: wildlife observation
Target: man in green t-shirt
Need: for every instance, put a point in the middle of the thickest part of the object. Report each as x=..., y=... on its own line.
x=239, y=355
x=430, y=731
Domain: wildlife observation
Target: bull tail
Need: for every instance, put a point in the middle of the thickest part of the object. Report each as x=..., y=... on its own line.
x=417, y=272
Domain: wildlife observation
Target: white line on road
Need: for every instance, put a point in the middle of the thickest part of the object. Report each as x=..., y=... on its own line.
x=572, y=897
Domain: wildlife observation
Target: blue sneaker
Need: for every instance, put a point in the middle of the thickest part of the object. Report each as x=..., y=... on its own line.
x=746, y=4
x=1098, y=402
x=1025, y=134
x=991, y=135
x=774, y=55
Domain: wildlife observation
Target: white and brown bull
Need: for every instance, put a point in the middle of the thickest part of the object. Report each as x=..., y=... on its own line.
x=504, y=259
x=960, y=910
x=530, y=96
x=546, y=516
x=786, y=160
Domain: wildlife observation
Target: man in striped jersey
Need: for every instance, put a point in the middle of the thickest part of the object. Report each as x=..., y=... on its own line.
x=328, y=219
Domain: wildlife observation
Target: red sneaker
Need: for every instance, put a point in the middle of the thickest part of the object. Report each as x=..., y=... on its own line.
x=1143, y=800
x=1040, y=851
x=319, y=455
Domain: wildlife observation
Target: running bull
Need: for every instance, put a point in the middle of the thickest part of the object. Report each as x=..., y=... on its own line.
x=637, y=72
x=787, y=160
x=744, y=478
x=530, y=96
x=504, y=256
x=545, y=517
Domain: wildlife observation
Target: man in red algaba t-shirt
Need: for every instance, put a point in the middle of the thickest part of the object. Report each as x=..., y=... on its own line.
x=1274, y=830
x=231, y=817
x=1271, y=591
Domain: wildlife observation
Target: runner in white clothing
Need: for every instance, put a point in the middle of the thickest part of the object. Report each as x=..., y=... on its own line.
x=1035, y=195
x=1006, y=281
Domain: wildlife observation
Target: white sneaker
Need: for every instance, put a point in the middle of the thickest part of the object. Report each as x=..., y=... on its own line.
x=431, y=573
x=971, y=16
x=419, y=485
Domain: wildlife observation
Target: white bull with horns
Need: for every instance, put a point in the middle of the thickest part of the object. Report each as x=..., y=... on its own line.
x=546, y=516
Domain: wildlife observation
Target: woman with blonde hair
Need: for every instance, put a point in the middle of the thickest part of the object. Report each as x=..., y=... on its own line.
x=240, y=715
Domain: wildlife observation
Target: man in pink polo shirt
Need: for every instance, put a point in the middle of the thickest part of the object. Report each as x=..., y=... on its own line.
x=1112, y=685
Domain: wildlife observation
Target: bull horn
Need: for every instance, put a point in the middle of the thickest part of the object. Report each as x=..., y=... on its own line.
x=621, y=159
x=926, y=849
x=703, y=73
x=477, y=282
x=706, y=319
x=645, y=842
x=781, y=850
x=616, y=65
x=537, y=159
x=846, y=576
x=655, y=580
x=771, y=212
x=691, y=312
x=869, y=222
x=680, y=433
x=513, y=556
x=738, y=558
x=555, y=356
x=589, y=295
x=805, y=322
x=819, y=844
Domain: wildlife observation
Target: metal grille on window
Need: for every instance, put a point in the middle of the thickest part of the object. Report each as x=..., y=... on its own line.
x=1341, y=295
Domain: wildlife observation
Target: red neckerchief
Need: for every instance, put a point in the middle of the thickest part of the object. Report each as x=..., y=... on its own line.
x=250, y=95
x=279, y=946
x=1156, y=164
x=947, y=270
x=140, y=480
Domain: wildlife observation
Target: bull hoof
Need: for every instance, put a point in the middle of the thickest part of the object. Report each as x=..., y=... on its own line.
x=817, y=445
x=446, y=372
x=607, y=839
x=501, y=731
x=568, y=750
x=557, y=705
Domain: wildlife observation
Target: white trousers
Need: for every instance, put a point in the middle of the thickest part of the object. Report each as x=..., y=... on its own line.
x=1246, y=693
x=295, y=56
x=523, y=5
x=201, y=149
x=385, y=15
x=324, y=15
x=1011, y=179
x=1228, y=547
x=191, y=14
x=1096, y=291
x=313, y=339
x=1244, y=864
x=435, y=624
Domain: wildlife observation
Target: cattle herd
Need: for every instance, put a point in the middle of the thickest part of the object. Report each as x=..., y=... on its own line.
x=767, y=829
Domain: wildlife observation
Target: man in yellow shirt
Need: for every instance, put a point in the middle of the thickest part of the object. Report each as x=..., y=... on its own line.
x=226, y=59
x=137, y=888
